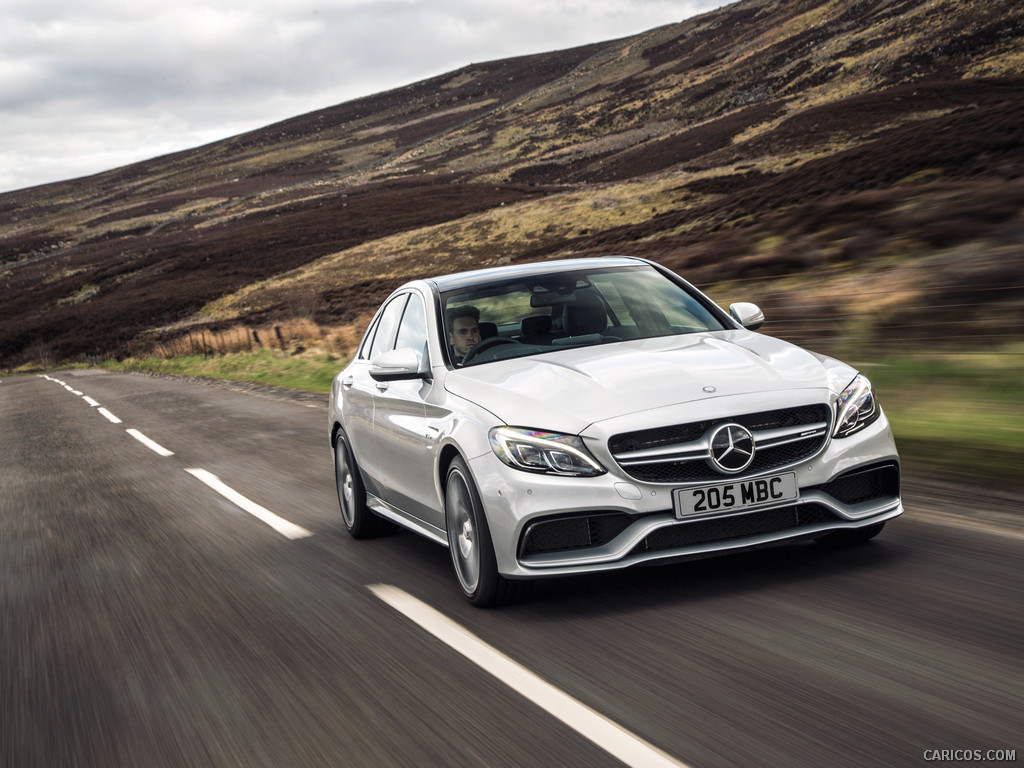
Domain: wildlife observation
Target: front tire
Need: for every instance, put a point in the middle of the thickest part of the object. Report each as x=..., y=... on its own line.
x=359, y=520
x=470, y=545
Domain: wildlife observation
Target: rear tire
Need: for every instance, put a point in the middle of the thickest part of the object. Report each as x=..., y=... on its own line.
x=470, y=545
x=358, y=519
x=850, y=537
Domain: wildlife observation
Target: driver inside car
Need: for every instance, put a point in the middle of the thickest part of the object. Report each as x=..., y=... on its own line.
x=464, y=333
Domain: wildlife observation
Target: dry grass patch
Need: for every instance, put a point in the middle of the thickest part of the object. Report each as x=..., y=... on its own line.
x=293, y=337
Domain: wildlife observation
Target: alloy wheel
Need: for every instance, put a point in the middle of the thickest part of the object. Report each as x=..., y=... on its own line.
x=462, y=537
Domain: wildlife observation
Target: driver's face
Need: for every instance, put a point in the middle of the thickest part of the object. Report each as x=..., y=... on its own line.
x=464, y=336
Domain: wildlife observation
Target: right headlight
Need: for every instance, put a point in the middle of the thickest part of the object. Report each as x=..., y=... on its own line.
x=533, y=450
x=856, y=408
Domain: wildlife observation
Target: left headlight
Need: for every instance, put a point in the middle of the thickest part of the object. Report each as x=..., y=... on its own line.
x=553, y=453
x=856, y=408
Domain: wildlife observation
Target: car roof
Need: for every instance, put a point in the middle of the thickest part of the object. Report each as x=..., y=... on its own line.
x=484, y=276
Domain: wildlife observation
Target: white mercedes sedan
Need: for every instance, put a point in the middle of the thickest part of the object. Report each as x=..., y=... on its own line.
x=583, y=415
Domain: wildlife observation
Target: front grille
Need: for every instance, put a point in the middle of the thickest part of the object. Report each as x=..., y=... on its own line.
x=679, y=453
x=865, y=484
x=568, y=533
x=735, y=527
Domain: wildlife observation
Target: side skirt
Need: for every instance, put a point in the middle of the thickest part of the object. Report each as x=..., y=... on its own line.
x=395, y=515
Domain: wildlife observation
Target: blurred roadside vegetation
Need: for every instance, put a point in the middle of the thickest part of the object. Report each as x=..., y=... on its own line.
x=311, y=373
x=956, y=415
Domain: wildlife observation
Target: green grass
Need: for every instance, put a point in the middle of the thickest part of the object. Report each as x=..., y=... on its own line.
x=957, y=415
x=312, y=373
x=954, y=415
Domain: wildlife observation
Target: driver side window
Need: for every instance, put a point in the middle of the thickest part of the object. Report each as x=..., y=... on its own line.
x=385, y=331
x=412, y=333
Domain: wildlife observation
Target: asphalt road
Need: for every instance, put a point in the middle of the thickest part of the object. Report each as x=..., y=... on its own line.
x=148, y=620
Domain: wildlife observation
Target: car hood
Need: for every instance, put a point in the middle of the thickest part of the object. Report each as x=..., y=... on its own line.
x=570, y=389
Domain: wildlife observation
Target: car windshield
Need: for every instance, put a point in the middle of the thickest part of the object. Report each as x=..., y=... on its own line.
x=547, y=312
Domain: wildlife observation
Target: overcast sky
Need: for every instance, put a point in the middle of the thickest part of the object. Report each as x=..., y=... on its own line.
x=91, y=85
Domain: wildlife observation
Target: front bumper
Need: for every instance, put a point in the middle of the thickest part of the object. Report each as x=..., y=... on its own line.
x=543, y=525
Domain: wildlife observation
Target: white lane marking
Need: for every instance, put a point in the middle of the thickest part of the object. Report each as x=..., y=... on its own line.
x=279, y=524
x=76, y=392
x=109, y=416
x=608, y=735
x=153, y=446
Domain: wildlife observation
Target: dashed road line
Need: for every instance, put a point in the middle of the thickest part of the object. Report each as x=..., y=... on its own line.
x=153, y=446
x=279, y=524
x=109, y=416
x=606, y=734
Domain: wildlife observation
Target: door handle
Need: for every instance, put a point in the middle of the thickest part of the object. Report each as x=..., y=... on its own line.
x=348, y=382
x=382, y=386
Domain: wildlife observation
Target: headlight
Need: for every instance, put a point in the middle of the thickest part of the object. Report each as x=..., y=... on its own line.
x=550, y=452
x=856, y=408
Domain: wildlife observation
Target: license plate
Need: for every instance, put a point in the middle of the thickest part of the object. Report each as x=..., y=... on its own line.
x=741, y=494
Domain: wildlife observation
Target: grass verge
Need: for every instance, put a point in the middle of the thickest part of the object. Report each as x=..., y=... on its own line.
x=313, y=373
x=957, y=415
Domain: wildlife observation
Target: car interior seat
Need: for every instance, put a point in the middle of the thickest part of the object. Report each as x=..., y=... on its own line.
x=535, y=329
x=584, y=319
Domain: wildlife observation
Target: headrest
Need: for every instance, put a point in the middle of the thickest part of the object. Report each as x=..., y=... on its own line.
x=581, y=319
x=535, y=325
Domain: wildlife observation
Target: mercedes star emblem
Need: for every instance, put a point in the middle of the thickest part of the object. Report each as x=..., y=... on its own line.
x=732, y=448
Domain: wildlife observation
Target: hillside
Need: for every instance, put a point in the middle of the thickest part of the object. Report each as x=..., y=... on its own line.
x=857, y=168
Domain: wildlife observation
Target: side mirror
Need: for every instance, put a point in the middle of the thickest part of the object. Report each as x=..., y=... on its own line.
x=398, y=365
x=748, y=315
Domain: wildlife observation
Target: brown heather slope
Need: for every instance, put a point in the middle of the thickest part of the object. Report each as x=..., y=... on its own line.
x=855, y=167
